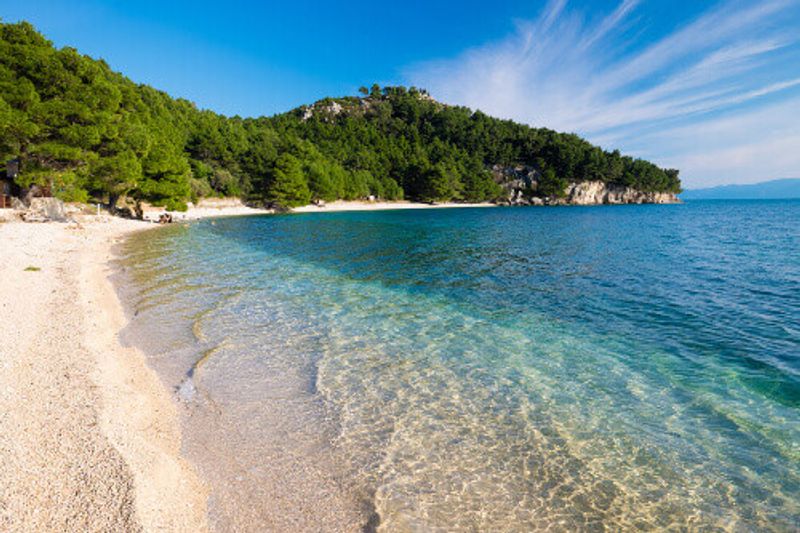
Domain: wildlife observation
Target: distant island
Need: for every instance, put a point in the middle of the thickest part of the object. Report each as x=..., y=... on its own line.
x=766, y=190
x=87, y=133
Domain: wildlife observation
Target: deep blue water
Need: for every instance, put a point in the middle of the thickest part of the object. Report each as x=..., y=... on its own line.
x=503, y=369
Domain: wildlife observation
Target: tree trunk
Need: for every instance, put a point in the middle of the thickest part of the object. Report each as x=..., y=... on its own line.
x=112, y=201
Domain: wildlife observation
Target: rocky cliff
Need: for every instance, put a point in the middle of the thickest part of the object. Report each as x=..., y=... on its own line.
x=520, y=184
x=598, y=192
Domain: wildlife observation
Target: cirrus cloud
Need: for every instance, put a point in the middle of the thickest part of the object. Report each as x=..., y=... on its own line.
x=737, y=65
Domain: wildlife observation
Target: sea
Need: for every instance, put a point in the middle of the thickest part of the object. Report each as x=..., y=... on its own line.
x=606, y=368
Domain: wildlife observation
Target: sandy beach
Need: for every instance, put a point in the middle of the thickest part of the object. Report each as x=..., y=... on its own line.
x=216, y=207
x=89, y=437
x=207, y=208
x=379, y=206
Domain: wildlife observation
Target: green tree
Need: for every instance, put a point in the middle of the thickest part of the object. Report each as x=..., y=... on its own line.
x=289, y=187
x=321, y=182
x=88, y=132
x=439, y=184
x=551, y=185
x=166, y=178
x=117, y=175
x=224, y=183
x=479, y=186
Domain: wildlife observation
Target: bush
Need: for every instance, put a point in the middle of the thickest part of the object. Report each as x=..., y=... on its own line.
x=551, y=185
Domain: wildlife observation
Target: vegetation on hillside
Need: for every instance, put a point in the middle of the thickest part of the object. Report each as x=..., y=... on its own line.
x=91, y=133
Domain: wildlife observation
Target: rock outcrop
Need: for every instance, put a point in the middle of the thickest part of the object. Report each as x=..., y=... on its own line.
x=328, y=110
x=45, y=209
x=598, y=192
x=521, y=183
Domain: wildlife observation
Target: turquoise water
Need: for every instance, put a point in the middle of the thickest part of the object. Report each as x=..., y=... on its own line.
x=497, y=369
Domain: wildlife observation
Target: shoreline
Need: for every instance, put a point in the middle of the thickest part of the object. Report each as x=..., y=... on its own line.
x=342, y=205
x=214, y=208
x=89, y=436
x=87, y=414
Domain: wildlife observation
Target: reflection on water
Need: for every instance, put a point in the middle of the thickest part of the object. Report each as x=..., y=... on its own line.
x=633, y=367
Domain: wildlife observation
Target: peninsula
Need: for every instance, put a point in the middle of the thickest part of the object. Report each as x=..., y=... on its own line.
x=83, y=132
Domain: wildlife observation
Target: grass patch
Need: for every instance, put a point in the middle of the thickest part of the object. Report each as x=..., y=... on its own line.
x=32, y=269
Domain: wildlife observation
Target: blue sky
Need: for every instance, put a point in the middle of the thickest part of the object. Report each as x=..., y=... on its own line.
x=712, y=88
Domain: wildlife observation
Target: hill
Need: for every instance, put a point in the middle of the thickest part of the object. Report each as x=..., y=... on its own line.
x=91, y=133
x=773, y=189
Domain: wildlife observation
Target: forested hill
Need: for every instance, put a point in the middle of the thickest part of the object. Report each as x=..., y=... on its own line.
x=91, y=133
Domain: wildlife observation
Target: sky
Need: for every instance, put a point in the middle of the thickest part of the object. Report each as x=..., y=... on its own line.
x=709, y=87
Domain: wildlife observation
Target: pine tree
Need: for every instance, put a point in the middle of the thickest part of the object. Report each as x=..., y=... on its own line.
x=289, y=187
x=552, y=185
x=89, y=132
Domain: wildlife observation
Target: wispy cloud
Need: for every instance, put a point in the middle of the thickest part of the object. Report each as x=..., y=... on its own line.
x=749, y=145
x=605, y=80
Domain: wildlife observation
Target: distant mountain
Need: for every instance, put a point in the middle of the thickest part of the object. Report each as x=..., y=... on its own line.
x=766, y=190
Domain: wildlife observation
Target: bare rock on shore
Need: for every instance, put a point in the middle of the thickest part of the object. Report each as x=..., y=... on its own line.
x=48, y=209
x=598, y=192
x=39, y=209
x=521, y=184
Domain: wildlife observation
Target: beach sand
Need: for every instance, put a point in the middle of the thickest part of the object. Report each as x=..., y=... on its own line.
x=207, y=208
x=379, y=206
x=214, y=207
x=89, y=437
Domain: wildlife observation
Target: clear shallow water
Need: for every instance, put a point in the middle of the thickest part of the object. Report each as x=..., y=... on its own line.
x=630, y=367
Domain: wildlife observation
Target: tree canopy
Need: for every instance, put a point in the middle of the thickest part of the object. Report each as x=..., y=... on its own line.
x=91, y=133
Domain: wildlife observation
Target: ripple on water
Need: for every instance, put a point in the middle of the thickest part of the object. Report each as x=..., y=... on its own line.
x=571, y=369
